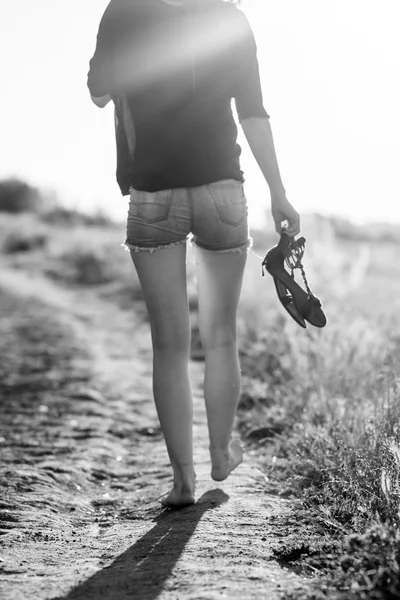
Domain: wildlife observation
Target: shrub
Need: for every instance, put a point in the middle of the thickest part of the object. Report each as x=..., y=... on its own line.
x=70, y=217
x=17, y=196
x=86, y=265
x=22, y=241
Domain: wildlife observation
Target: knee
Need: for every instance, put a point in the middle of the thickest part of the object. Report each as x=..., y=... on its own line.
x=216, y=337
x=170, y=341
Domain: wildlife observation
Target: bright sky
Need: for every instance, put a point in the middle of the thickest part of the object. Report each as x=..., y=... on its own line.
x=330, y=75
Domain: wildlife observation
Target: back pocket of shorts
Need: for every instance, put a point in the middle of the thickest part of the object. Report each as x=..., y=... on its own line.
x=150, y=207
x=229, y=200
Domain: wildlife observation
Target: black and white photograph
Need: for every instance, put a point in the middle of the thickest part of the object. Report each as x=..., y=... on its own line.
x=200, y=300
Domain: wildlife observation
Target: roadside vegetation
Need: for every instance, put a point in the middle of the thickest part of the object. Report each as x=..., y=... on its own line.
x=320, y=409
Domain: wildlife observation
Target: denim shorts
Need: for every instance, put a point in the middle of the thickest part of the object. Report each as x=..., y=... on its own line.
x=212, y=216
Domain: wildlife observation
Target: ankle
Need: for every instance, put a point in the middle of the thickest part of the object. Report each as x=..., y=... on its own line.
x=183, y=474
x=220, y=448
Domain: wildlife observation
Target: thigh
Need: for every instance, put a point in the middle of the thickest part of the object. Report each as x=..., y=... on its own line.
x=219, y=281
x=157, y=218
x=162, y=275
x=220, y=216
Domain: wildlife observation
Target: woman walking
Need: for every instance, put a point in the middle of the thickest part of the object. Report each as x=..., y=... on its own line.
x=172, y=68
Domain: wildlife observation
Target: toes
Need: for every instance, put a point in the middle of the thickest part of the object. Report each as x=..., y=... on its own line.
x=223, y=467
x=165, y=500
x=237, y=446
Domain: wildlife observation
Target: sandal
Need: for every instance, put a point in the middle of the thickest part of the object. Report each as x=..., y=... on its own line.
x=302, y=306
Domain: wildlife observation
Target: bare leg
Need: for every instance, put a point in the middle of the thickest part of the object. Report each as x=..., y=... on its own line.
x=220, y=278
x=162, y=275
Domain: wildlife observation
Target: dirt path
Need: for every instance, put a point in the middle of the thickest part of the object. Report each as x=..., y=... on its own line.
x=85, y=463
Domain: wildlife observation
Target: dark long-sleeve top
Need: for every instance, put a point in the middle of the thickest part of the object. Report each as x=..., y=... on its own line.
x=172, y=72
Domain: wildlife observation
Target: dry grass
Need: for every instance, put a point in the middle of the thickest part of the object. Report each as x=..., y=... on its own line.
x=72, y=249
x=322, y=408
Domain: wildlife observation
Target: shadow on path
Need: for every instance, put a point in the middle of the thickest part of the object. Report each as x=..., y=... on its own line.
x=142, y=571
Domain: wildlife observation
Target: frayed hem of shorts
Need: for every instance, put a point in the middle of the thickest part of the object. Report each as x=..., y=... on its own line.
x=240, y=250
x=131, y=248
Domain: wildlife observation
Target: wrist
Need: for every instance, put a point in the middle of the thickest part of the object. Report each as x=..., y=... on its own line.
x=277, y=191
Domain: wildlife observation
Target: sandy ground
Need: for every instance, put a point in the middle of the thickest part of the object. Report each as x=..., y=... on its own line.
x=83, y=462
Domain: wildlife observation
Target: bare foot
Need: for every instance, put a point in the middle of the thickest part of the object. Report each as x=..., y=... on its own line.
x=179, y=496
x=224, y=461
